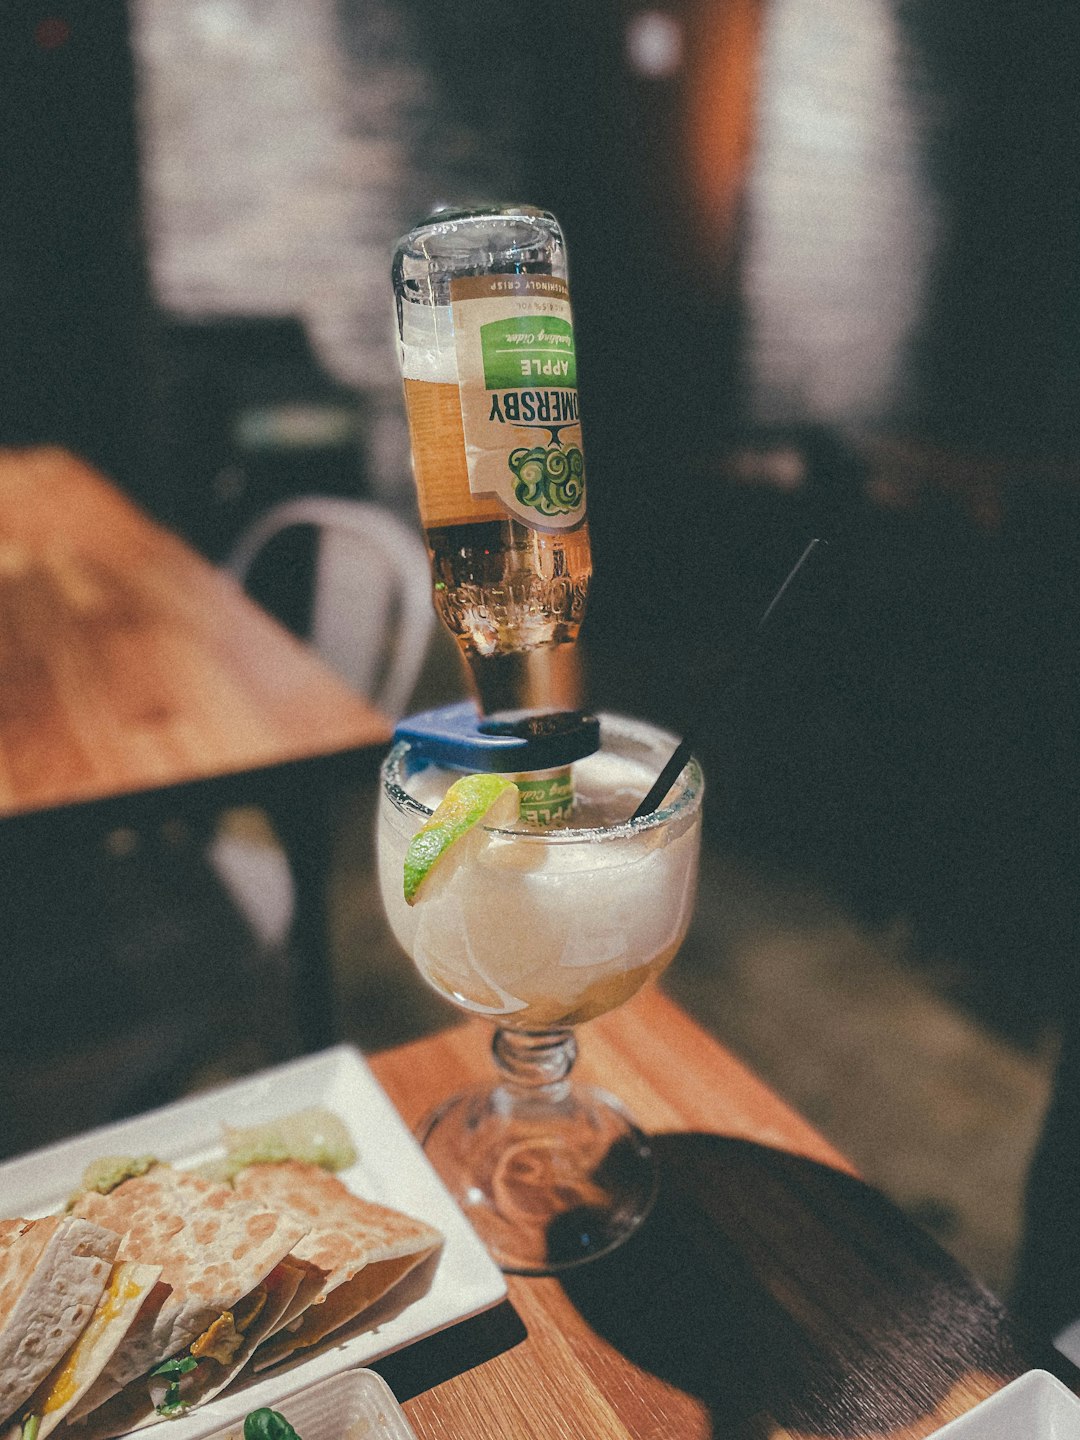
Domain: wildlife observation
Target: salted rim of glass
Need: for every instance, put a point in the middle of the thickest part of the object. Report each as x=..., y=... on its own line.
x=689, y=786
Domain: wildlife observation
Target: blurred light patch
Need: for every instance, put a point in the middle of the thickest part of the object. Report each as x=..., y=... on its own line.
x=840, y=219
x=781, y=468
x=720, y=118
x=219, y=21
x=52, y=32
x=654, y=44
x=295, y=427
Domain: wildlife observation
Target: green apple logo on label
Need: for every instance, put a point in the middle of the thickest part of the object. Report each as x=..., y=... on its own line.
x=548, y=478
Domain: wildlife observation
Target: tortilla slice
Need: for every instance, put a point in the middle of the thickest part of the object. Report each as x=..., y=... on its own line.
x=52, y=1274
x=214, y=1249
x=312, y=1283
x=362, y=1249
x=135, y=1407
x=127, y=1289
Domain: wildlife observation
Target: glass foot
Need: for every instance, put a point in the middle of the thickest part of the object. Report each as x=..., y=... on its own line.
x=547, y=1181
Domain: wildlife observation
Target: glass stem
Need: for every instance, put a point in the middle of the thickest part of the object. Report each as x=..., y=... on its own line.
x=536, y=1062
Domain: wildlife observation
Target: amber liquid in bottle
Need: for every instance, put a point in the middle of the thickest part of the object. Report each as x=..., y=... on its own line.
x=512, y=596
x=514, y=599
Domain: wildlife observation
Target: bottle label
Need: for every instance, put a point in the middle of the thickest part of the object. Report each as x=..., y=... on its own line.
x=547, y=797
x=517, y=381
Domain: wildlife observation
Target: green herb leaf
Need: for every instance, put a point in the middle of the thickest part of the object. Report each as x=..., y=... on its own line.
x=268, y=1424
x=172, y=1402
x=30, y=1426
x=179, y=1365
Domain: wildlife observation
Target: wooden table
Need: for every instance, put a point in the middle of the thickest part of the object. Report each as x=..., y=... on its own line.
x=137, y=681
x=771, y=1293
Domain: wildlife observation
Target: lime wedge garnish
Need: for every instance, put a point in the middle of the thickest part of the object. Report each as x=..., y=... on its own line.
x=474, y=798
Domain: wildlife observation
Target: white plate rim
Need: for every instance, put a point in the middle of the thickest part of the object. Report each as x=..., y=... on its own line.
x=987, y=1412
x=391, y=1168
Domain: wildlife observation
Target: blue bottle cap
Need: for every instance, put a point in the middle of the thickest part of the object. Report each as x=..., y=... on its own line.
x=458, y=737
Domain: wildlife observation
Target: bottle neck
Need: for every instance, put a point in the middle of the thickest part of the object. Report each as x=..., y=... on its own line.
x=548, y=677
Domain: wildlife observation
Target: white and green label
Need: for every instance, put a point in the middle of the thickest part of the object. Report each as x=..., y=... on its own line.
x=547, y=798
x=517, y=377
x=528, y=351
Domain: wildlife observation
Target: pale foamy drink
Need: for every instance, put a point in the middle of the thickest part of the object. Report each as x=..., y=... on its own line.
x=542, y=929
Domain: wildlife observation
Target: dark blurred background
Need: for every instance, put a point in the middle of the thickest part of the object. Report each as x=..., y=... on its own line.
x=824, y=266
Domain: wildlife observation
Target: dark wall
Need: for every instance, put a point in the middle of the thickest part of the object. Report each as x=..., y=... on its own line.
x=998, y=355
x=577, y=131
x=73, y=291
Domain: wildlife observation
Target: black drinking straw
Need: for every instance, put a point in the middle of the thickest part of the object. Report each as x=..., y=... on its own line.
x=681, y=754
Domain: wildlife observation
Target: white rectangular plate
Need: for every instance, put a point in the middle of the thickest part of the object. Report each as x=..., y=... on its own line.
x=391, y=1169
x=1036, y=1406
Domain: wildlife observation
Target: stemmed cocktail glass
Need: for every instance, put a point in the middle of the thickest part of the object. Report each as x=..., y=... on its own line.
x=540, y=930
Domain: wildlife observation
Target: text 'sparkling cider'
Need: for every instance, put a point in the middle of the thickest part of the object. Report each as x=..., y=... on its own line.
x=487, y=356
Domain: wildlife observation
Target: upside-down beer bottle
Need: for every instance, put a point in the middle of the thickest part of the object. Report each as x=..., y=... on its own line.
x=487, y=355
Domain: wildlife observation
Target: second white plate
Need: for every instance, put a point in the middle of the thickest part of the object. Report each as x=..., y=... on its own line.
x=355, y=1405
x=1036, y=1406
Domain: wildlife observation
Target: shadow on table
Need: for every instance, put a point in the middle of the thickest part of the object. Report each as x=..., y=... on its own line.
x=764, y=1283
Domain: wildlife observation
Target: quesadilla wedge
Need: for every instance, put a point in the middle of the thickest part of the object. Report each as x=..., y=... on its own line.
x=128, y=1286
x=52, y=1274
x=200, y=1372
x=216, y=1252
x=360, y=1249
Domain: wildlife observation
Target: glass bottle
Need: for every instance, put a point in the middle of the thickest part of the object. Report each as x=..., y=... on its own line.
x=487, y=356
